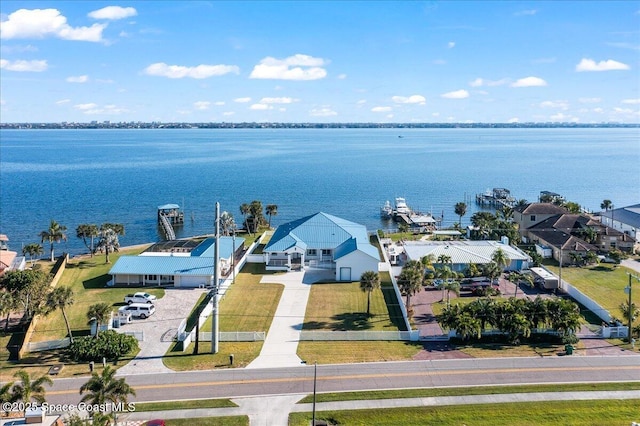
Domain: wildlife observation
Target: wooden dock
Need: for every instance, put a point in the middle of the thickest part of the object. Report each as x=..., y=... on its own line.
x=170, y=215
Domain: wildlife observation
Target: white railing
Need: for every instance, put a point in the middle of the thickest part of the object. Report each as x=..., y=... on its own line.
x=359, y=335
x=48, y=345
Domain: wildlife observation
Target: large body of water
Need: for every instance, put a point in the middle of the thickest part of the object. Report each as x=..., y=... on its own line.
x=96, y=176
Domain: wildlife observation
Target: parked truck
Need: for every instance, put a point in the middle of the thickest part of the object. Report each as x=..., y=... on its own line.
x=544, y=279
x=139, y=297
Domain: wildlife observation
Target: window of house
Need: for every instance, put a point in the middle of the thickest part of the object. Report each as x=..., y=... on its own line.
x=326, y=252
x=532, y=218
x=311, y=252
x=151, y=277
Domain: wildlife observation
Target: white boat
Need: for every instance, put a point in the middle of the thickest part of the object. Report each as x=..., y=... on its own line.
x=386, y=211
x=401, y=206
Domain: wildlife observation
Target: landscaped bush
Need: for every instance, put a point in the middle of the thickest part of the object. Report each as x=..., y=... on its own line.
x=108, y=344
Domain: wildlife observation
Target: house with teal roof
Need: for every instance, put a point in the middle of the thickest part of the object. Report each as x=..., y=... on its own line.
x=322, y=241
x=177, y=266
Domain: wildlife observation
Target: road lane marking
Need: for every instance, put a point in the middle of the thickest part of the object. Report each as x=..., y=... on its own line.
x=431, y=373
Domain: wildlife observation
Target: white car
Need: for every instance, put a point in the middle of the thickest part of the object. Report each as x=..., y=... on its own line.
x=138, y=310
x=140, y=297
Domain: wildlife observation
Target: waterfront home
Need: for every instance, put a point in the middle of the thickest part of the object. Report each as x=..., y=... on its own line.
x=9, y=260
x=530, y=214
x=625, y=219
x=322, y=241
x=465, y=252
x=178, y=263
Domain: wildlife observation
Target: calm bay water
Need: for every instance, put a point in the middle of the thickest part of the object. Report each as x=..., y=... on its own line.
x=96, y=176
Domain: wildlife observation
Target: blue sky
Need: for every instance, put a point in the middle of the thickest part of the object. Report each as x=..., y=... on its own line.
x=334, y=61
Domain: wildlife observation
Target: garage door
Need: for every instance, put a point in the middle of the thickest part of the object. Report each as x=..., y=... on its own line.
x=345, y=274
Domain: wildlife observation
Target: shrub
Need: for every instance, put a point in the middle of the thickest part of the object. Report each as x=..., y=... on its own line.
x=109, y=344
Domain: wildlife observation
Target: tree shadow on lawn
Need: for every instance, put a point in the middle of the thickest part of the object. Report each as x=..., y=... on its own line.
x=350, y=321
x=83, y=264
x=96, y=282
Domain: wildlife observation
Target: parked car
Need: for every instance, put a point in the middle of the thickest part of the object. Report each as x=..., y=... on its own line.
x=140, y=297
x=138, y=310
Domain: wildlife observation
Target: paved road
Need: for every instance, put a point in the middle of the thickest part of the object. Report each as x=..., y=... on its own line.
x=367, y=376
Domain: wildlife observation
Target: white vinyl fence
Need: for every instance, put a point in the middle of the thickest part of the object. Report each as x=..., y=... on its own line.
x=359, y=335
x=48, y=345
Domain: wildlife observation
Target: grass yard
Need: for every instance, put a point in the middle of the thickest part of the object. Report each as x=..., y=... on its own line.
x=341, y=352
x=552, y=413
x=247, y=306
x=210, y=421
x=87, y=277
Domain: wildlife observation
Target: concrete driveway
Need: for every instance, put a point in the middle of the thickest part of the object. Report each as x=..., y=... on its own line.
x=159, y=330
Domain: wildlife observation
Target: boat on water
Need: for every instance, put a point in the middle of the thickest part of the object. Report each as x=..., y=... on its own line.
x=386, y=211
x=401, y=206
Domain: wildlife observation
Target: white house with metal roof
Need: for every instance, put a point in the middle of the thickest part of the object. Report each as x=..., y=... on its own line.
x=177, y=269
x=465, y=252
x=324, y=241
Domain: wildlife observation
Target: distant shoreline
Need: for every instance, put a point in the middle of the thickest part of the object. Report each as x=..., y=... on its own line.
x=275, y=125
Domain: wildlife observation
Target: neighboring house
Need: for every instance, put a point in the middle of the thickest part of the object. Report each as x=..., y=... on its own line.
x=561, y=243
x=324, y=241
x=625, y=219
x=9, y=260
x=463, y=253
x=533, y=213
x=176, y=263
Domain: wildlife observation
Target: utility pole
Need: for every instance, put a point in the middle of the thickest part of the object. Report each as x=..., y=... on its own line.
x=216, y=284
x=630, y=313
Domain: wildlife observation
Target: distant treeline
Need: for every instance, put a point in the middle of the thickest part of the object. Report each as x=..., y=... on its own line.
x=161, y=125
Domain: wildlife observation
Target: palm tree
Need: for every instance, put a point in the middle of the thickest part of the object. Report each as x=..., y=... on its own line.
x=409, y=283
x=28, y=389
x=563, y=316
x=245, y=210
x=624, y=309
x=369, y=281
x=576, y=258
x=468, y=326
x=98, y=312
x=460, y=209
x=589, y=234
x=227, y=223
x=88, y=230
x=427, y=261
x=484, y=309
x=500, y=258
x=7, y=305
x=6, y=394
x=521, y=203
x=105, y=388
x=451, y=286
x=444, y=259
x=255, y=213
x=272, y=210
x=606, y=205
x=536, y=312
x=32, y=249
x=492, y=271
x=109, y=241
x=61, y=298
x=54, y=234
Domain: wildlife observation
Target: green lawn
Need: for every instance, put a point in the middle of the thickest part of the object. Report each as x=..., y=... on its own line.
x=87, y=277
x=603, y=283
x=210, y=421
x=341, y=352
x=552, y=413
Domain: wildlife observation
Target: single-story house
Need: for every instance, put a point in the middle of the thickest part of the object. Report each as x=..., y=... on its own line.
x=177, y=265
x=9, y=260
x=465, y=252
x=324, y=241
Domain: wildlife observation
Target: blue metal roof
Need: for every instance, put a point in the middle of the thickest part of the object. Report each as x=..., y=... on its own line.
x=207, y=247
x=317, y=231
x=163, y=265
x=168, y=207
x=352, y=245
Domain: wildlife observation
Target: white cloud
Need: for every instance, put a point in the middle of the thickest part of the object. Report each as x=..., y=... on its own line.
x=563, y=117
x=219, y=103
x=41, y=23
x=598, y=110
x=342, y=77
x=322, y=112
x=608, y=65
x=589, y=100
x=631, y=101
x=529, y=12
x=457, y=94
x=624, y=45
x=529, y=82
x=513, y=120
x=24, y=66
x=113, y=13
x=178, y=71
x=439, y=61
x=63, y=101
x=228, y=113
x=278, y=100
x=201, y=105
x=242, y=100
x=260, y=107
x=85, y=107
x=78, y=79
x=563, y=105
x=380, y=109
x=296, y=67
x=413, y=99
x=361, y=102
x=435, y=114
x=478, y=82
x=451, y=44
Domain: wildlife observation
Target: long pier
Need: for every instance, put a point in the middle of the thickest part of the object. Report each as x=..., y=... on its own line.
x=168, y=216
x=169, y=232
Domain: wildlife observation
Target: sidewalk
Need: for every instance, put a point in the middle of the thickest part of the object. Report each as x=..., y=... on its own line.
x=274, y=411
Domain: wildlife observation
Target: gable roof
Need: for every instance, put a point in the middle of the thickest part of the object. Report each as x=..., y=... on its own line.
x=565, y=221
x=317, y=231
x=163, y=265
x=352, y=245
x=563, y=240
x=629, y=215
x=541, y=208
x=462, y=252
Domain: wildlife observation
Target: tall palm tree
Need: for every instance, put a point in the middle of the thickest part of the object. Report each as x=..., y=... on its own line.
x=484, y=309
x=460, y=209
x=28, y=389
x=33, y=250
x=98, y=312
x=88, y=231
x=272, y=210
x=227, y=223
x=606, y=205
x=369, y=281
x=500, y=258
x=451, y=286
x=444, y=259
x=245, y=210
x=61, y=298
x=54, y=234
x=409, y=283
x=104, y=388
x=468, y=326
x=7, y=305
x=109, y=241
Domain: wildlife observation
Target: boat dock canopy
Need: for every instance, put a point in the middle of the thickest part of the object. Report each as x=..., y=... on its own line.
x=169, y=207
